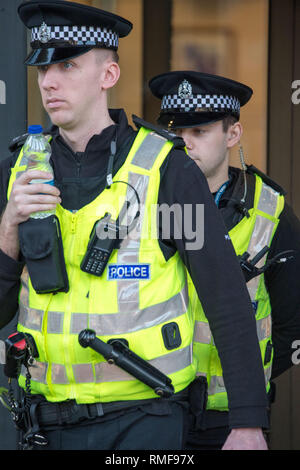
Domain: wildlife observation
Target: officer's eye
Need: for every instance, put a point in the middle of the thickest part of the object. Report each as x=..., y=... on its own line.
x=67, y=65
x=198, y=131
x=43, y=68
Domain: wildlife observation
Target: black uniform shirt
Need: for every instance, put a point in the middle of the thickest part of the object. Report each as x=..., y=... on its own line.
x=214, y=268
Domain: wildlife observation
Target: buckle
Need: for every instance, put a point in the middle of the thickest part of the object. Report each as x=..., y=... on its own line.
x=94, y=410
x=84, y=411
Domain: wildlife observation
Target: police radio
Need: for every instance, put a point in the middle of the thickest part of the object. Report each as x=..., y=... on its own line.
x=107, y=235
x=103, y=240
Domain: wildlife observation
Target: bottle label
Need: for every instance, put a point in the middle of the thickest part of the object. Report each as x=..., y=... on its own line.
x=43, y=181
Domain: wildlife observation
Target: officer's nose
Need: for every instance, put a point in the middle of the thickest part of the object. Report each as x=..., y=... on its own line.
x=187, y=139
x=48, y=77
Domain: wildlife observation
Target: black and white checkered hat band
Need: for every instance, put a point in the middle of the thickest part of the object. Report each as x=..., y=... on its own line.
x=203, y=102
x=75, y=35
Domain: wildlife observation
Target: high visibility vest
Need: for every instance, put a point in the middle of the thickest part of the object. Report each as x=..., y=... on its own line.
x=251, y=235
x=121, y=303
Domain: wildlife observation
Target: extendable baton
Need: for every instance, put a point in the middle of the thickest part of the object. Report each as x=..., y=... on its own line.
x=116, y=352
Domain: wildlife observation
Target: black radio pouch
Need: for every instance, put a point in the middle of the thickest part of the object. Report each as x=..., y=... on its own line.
x=41, y=245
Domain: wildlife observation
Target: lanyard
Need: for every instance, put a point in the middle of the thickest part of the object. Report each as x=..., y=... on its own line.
x=221, y=191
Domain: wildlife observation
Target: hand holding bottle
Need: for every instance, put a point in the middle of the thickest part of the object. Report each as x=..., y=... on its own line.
x=37, y=153
x=26, y=199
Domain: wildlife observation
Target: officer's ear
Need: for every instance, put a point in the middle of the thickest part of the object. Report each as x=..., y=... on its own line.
x=234, y=134
x=110, y=74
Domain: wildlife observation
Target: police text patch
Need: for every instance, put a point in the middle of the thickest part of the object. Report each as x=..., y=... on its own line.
x=128, y=271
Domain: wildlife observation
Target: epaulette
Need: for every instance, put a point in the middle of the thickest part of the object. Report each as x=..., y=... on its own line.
x=177, y=141
x=17, y=142
x=253, y=170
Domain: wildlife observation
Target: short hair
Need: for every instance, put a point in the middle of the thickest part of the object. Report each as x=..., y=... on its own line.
x=110, y=53
x=228, y=121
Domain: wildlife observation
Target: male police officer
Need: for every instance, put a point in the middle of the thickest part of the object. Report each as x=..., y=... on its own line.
x=104, y=169
x=204, y=109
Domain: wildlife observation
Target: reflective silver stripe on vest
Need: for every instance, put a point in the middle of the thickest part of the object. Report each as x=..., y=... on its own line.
x=216, y=385
x=261, y=237
x=202, y=333
x=268, y=373
x=38, y=371
x=128, y=253
x=113, y=324
x=104, y=372
x=262, y=232
x=55, y=322
x=31, y=318
x=268, y=200
x=264, y=328
x=109, y=324
x=149, y=149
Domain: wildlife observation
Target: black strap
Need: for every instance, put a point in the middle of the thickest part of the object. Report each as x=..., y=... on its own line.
x=235, y=209
x=177, y=141
x=69, y=412
x=253, y=170
x=17, y=142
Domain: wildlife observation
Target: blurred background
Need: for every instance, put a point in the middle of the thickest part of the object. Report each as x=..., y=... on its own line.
x=256, y=42
x=226, y=37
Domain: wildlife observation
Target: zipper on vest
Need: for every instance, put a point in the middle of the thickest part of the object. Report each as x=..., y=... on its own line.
x=73, y=224
x=68, y=314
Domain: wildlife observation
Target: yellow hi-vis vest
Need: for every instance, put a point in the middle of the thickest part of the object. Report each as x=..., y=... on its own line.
x=135, y=309
x=251, y=235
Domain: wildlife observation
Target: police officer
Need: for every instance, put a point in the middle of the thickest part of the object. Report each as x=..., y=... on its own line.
x=107, y=172
x=204, y=109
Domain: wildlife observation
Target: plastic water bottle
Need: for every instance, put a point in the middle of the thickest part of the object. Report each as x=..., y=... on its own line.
x=37, y=152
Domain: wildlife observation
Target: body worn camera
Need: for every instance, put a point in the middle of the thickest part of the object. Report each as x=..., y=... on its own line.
x=103, y=240
x=20, y=349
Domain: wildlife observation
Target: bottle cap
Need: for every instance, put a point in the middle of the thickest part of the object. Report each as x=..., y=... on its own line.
x=35, y=129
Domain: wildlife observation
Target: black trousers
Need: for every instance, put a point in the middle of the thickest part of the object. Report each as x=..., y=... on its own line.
x=139, y=428
x=208, y=439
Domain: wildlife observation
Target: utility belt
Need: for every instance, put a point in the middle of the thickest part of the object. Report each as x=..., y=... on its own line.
x=54, y=415
x=33, y=413
x=45, y=416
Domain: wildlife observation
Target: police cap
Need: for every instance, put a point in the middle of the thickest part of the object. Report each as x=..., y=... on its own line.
x=189, y=98
x=62, y=30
